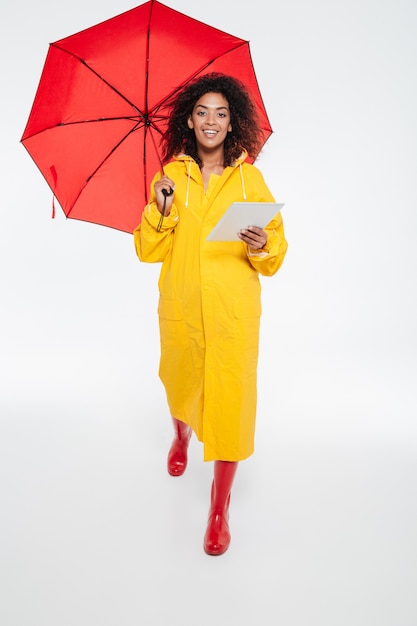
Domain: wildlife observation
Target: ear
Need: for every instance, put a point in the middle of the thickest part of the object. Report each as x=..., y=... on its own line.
x=190, y=122
x=229, y=129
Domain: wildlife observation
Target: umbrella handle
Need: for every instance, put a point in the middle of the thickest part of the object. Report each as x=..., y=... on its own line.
x=166, y=193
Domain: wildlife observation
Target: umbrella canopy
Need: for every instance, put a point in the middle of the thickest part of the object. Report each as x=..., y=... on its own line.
x=100, y=107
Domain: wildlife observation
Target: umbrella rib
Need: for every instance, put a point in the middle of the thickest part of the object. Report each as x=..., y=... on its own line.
x=92, y=121
x=148, y=44
x=180, y=87
x=98, y=76
x=99, y=166
x=131, y=118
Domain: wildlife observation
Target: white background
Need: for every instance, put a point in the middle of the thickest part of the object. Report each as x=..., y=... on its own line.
x=324, y=515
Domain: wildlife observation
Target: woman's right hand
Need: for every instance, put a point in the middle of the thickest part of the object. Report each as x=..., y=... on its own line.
x=167, y=185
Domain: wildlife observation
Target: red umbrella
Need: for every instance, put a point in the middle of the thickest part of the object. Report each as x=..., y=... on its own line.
x=100, y=107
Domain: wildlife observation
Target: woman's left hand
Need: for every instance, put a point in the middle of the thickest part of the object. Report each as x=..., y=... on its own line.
x=253, y=236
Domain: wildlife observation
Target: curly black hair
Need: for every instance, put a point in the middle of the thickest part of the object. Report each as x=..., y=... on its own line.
x=246, y=131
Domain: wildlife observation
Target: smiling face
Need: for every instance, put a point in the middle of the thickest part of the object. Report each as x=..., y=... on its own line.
x=210, y=120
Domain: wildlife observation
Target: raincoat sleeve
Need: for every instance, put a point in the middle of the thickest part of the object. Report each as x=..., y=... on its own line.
x=269, y=259
x=153, y=246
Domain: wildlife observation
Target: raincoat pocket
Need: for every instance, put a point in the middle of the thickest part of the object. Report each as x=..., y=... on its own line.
x=170, y=309
x=172, y=324
x=247, y=308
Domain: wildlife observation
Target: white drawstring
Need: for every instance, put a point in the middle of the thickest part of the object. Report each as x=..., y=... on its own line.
x=188, y=183
x=243, y=181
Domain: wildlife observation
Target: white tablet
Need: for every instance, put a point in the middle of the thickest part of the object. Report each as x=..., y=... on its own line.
x=241, y=215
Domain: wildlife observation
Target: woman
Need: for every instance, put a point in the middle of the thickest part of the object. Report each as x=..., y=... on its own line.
x=209, y=306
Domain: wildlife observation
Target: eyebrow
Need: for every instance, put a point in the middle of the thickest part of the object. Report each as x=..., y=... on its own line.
x=209, y=106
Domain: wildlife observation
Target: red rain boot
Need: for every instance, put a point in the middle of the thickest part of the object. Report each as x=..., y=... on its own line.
x=177, y=455
x=217, y=537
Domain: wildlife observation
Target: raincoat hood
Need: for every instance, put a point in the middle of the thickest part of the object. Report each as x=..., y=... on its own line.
x=191, y=164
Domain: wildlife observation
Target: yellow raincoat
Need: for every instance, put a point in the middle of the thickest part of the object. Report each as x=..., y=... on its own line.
x=209, y=307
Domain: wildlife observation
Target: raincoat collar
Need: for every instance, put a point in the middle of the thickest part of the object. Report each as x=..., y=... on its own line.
x=186, y=157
